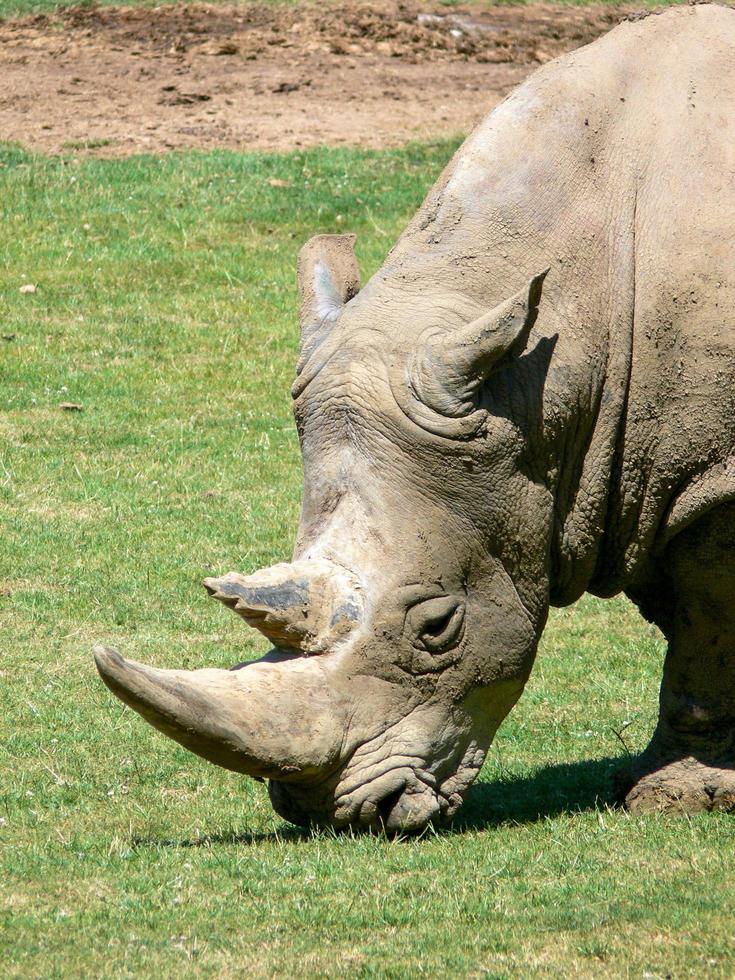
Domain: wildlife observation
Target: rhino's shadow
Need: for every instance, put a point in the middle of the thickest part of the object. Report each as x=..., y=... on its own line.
x=287, y=833
x=549, y=792
x=553, y=790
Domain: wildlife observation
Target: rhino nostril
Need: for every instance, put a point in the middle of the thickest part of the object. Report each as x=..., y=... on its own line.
x=386, y=805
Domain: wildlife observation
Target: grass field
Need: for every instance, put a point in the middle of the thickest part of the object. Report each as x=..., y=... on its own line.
x=165, y=306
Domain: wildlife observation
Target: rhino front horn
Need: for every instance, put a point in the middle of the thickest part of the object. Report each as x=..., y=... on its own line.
x=276, y=718
x=304, y=606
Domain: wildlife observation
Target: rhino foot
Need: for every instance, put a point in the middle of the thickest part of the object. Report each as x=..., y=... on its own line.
x=682, y=786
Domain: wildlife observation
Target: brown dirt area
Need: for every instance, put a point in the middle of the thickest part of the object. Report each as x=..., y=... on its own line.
x=116, y=81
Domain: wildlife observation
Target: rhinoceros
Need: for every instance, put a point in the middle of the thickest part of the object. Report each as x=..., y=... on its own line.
x=533, y=398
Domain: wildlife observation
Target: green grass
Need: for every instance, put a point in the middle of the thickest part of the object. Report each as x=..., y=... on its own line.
x=165, y=305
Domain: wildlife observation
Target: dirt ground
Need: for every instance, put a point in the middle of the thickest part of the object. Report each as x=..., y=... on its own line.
x=115, y=81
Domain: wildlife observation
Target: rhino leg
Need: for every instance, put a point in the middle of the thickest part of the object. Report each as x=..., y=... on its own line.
x=689, y=765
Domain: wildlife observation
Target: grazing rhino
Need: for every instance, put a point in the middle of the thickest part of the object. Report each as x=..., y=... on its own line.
x=475, y=450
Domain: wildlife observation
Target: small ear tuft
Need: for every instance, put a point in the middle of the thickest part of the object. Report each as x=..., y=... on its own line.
x=328, y=277
x=525, y=312
x=534, y=288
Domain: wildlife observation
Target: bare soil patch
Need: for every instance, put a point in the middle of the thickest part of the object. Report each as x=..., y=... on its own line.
x=114, y=81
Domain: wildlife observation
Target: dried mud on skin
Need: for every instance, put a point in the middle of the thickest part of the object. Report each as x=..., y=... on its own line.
x=114, y=81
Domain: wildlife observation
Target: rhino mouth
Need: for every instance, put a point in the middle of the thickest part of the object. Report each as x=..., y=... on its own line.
x=399, y=797
x=398, y=802
x=405, y=799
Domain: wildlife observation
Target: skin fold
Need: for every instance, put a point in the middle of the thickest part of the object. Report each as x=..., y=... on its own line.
x=531, y=399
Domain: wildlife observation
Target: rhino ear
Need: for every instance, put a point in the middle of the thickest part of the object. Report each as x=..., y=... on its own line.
x=455, y=365
x=328, y=277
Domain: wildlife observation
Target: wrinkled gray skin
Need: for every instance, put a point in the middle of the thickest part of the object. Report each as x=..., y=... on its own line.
x=476, y=447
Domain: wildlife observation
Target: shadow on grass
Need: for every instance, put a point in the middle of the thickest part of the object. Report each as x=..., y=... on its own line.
x=554, y=790
x=550, y=792
x=287, y=833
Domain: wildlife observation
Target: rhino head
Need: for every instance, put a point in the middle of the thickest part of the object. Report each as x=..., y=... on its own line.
x=406, y=625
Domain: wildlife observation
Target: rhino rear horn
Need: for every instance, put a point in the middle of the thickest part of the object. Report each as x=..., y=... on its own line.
x=304, y=606
x=455, y=365
x=328, y=277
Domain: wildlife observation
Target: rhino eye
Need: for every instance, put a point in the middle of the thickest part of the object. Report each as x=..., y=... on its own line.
x=438, y=623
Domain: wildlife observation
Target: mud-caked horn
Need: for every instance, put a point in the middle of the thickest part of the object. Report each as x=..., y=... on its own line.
x=277, y=718
x=306, y=605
